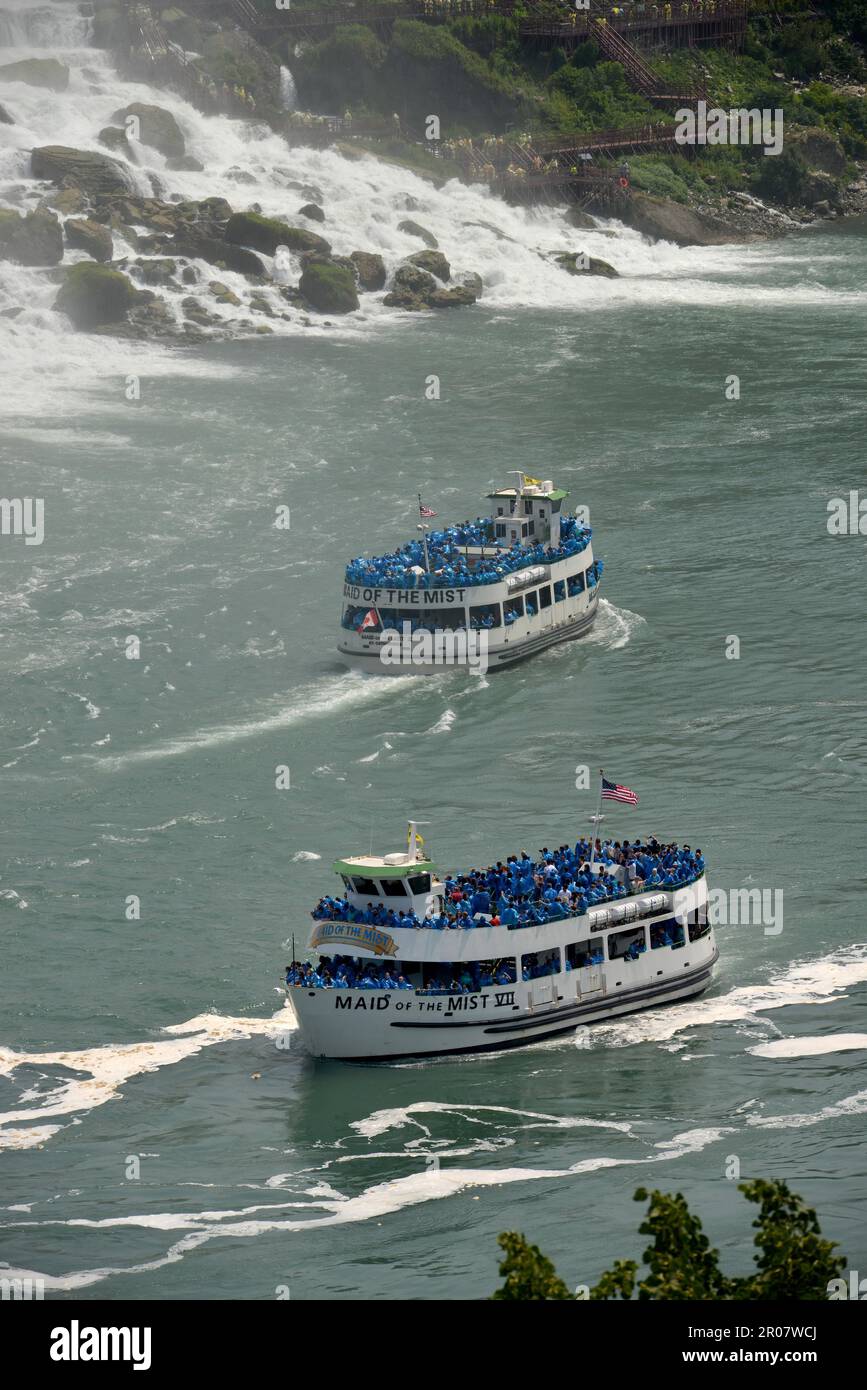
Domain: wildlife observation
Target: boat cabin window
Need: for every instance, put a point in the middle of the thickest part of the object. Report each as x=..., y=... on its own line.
x=545, y=596
x=366, y=886
x=394, y=888
x=581, y=953
x=353, y=616
x=485, y=615
x=559, y=590
x=698, y=929
x=460, y=977
x=532, y=601
x=539, y=963
x=575, y=584
x=626, y=943
x=499, y=529
x=419, y=883
x=444, y=618
x=668, y=933
x=528, y=508
x=513, y=608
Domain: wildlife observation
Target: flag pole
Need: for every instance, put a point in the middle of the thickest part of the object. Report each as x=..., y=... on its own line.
x=595, y=822
x=423, y=528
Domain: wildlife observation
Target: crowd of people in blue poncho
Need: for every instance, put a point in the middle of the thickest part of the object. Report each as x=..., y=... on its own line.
x=448, y=566
x=344, y=972
x=524, y=892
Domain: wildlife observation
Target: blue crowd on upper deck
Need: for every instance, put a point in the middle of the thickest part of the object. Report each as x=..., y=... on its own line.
x=524, y=892
x=448, y=566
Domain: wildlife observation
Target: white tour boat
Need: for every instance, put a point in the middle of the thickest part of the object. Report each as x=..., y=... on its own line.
x=484, y=594
x=411, y=965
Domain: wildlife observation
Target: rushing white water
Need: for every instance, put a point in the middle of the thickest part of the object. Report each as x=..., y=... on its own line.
x=55, y=370
x=288, y=90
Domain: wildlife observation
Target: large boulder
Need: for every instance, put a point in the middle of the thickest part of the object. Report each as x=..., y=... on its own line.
x=411, y=288
x=577, y=217
x=579, y=263
x=818, y=148
x=114, y=138
x=328, y=287
x=660, y=219
x=369, y=269
x=267, y=233
x=93, y=295
x=818, y=188
x=312, y=212
x=197, y=244
x=37, y=72
x=93, y=173
x=414, y=229
x=472, y=280
x=156, y=127
x=5, y=118
x=185, y=164
x=32, y=240
x=67, y=201
x=434, y=262
x=454, y=298
x=84, y=235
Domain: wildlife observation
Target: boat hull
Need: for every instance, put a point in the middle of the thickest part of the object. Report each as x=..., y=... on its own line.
x=366, y=655
x=387, y=1025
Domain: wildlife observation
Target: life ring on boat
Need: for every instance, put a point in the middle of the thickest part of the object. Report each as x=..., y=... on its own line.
x=623, y=181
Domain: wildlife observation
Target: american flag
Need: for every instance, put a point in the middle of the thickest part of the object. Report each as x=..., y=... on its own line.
x=426, y=511
x=612, y=791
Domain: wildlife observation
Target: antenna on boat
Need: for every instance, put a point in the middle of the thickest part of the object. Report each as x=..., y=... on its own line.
x=422, y=526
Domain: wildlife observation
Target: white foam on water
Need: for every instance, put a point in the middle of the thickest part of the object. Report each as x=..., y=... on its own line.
x=105, y=1070
x=614, y=627
x=811, y=1047
x=810, y=982
x=849, y=1105
x=381, y=1121
x=444, y=723
x=323, y=699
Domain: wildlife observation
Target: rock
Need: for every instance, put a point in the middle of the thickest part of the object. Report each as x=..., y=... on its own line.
x=413, y=229
x=578, y=263
x=577, y=217
x=260, y=305
x=37, y=72
x=434, y=262
x=93, y=173
x=185, y=164
x=329, y=288
x=240, y=176
x=156, y=127
x=32, y=240
x=312, y=212
x=823, y=209
x=263, y=328
x=660, y=219
x=67, y=201
x=12, y=313
x=410, y=204
x=5, y=118
x=190, y=275
x=216, y=208
x=412, y=280
x=369, y=268
x=817, y=188
x=198, y=245
x=156, y=271
x=818, y=148
x=222, y=293
x=84, y=235
x=267, y=233
x=450, y=299
x=92, y=295
x=471, y=280
x=114, y=138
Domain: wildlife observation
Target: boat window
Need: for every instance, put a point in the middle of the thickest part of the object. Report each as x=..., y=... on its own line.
x=575, y=584
x=465, y=977
x=513, y=608
x=394, y=888
x=559, y=590
x=626, y=944
x=499, y=529
x=485, y=615
x=419, y=883
x=528, y=508
x=545, y=596
x=532, y=601
x=353, y=617
x=698, y=929
x=347, y=883
x=366, y=885
x=581, y=953
x=539, y=963
x=668, y=933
